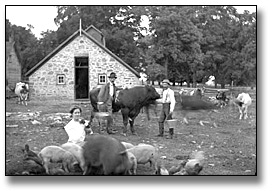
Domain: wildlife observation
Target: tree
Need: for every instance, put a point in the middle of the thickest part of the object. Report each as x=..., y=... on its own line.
x=27, y=45
x=117, y=23
x=176, y=43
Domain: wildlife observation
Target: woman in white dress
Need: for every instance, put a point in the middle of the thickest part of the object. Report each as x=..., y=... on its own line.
x=77, y=129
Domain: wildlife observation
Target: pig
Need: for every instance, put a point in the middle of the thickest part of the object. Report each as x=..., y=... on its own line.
x=57, y=154
x=132, y=163
x=161, y=170
x=105, y=155
x=127, y=145
x=145, y=153
x=77, y=151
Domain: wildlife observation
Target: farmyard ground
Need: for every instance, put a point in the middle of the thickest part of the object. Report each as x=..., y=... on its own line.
x=230, y=148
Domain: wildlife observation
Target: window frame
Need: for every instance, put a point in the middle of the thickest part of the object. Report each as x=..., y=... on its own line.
x=100, y=75
x=58, y=79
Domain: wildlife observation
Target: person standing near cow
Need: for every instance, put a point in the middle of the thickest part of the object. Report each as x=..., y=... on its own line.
x=106, y=96
x=168, y=105
x=76, y=129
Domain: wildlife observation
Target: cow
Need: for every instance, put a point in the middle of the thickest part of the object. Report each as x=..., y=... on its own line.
x=196, y=104
x=22, y=90
x=221, y=97
x=93, y=99
x=243, y=100
x=105, y=155
x=198, y=92
x=130, y=102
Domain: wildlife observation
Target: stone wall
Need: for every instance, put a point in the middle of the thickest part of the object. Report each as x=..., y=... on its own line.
x=43, y=82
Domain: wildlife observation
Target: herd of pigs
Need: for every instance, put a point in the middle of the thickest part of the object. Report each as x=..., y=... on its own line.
x=106, y=155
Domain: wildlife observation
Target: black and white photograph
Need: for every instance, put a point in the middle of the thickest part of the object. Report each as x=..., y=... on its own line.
x=132, y=91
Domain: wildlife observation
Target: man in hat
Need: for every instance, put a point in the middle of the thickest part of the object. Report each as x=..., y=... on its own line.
x=105, y=98
x=168, y=105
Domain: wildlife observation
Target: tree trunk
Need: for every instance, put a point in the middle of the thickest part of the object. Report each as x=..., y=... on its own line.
x=166, y=67
x=194, y=79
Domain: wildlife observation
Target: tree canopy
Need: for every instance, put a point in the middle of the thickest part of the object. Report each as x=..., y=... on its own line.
x=182, y=43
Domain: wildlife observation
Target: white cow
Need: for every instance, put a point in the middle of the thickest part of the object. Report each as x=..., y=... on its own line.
x=21, y=90
x=243, y=100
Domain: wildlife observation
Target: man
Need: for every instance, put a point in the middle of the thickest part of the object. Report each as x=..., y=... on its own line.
x=105, y=98
x=168, y=105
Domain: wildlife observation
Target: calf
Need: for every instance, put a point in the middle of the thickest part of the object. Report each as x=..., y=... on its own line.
x=243, y=100
x=77, y=151
x=57, y=154
x=21, y=90
x=145, y=153
x=105, y=155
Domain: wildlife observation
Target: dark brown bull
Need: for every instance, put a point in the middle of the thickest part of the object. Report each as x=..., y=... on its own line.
x=105, y=155
x=130, y=101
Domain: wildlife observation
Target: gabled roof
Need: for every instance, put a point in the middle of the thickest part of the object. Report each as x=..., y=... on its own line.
x=68, y=40
x=86, y=30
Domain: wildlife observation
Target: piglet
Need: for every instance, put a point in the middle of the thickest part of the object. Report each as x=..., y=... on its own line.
x=57, y=154
x=132, y=163
x=127, y=145
x=145, y=153
x=77, y=151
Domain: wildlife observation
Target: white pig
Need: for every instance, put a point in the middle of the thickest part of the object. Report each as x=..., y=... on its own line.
x=132, y=163
x=77, y=151
x=145, y=153
x=127, y=145
x=57, y=154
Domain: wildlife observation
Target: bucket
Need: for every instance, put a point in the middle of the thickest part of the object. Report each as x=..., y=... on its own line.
x=101, y=114
x=171, y=123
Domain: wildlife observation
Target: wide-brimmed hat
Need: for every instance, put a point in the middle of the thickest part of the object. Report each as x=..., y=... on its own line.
x=112, y=75
x=166, y=81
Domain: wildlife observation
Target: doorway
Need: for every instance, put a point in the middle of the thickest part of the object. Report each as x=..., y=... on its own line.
x=81, y=78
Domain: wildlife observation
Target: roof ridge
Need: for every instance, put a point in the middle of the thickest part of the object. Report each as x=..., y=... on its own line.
x=63, y=44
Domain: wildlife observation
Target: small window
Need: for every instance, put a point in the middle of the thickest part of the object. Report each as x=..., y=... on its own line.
x=102, y=78
x=60, y=79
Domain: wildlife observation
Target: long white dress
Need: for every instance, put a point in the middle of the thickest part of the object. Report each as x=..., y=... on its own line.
x=76, y=132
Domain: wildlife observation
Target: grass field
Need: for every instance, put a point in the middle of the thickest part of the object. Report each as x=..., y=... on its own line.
x=230, y=148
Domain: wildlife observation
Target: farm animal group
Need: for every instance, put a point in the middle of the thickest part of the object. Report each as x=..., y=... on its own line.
x=105, y=155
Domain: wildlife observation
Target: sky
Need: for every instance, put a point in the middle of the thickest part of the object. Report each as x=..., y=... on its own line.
x=45, y=21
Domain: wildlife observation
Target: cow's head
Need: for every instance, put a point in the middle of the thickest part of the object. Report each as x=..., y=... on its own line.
x=152, y=93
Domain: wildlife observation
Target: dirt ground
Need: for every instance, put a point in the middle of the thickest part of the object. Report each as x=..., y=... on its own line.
x=230, y=147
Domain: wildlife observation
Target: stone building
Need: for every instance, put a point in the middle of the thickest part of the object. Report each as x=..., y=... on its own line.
x=13, y=66
x=76, y=66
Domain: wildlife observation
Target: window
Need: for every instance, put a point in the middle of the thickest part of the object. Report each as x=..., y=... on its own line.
x=60, y=79
x=102, y=78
